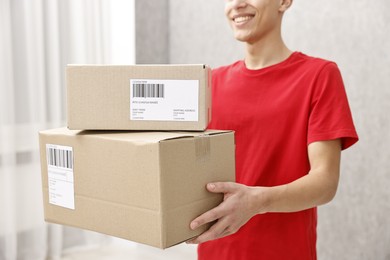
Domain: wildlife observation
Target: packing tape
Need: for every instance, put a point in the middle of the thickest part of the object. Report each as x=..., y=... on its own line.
x=202, y=147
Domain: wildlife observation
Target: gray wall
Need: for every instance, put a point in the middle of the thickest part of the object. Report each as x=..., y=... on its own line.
x=152, y=31
x=356, y=224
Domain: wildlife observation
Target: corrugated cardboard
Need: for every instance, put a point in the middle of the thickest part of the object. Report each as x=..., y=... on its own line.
x=141, y=186
x=104, y=97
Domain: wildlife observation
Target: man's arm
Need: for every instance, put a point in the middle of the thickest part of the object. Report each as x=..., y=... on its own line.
x=243, y=202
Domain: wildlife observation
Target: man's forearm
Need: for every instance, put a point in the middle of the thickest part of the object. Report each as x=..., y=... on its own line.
x=309, y=191
x=314, y=189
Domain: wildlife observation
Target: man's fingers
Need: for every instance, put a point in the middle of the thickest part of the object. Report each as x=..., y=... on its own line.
x=218, y=230
x=217, y=212
x=207, y=217
x=221, y=187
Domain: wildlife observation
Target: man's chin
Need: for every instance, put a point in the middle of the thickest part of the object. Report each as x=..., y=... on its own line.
x=242, y=38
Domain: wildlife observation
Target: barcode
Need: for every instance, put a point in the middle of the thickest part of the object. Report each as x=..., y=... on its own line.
x=148, y=90
x=60, y=157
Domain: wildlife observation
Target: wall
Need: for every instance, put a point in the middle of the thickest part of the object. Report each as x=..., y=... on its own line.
x=152, y=31
x=352, y=33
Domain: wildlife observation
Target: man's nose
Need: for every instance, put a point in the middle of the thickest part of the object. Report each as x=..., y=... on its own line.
x=239, y=3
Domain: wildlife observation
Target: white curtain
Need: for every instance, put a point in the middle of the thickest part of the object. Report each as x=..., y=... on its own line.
x=37, y=39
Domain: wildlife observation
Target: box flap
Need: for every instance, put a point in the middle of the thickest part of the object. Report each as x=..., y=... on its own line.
x=132, y=136
x=180, y=135
x=204, y=66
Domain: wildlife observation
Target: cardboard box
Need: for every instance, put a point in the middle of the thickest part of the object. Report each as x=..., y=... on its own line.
x=138, y=97
x=141, y=186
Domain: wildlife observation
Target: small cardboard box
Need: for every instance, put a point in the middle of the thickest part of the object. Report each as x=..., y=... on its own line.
x=138, y=97
x=141, y=186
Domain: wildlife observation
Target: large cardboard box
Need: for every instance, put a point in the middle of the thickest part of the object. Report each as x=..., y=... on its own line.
x=141, y=186
x=138, y=97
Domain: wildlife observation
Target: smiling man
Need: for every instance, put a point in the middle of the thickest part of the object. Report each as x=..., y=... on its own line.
x=291, y=117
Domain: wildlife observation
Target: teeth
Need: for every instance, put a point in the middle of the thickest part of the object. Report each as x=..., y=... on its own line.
x=242, y=19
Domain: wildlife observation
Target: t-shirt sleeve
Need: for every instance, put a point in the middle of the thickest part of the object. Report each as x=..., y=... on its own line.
x=330, y=114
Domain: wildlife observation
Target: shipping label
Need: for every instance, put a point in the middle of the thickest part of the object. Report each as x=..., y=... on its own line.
x=164, y=100
x=60, y=175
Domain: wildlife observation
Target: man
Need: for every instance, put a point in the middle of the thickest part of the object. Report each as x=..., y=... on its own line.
x=291, y=119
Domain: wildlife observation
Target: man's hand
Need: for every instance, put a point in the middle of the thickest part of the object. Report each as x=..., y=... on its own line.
x=237, y=208
x=242, y=202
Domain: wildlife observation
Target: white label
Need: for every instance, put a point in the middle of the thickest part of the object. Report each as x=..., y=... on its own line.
x=164, y=100
x=60, y=175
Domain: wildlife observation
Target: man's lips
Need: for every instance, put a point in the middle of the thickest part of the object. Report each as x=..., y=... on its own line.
x=242, y=18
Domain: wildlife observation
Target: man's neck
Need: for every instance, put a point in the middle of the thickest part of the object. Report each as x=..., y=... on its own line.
x=265, y=53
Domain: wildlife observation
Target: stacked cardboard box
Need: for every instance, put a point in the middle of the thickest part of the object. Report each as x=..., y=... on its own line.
x=145, y=186
x=141, y=97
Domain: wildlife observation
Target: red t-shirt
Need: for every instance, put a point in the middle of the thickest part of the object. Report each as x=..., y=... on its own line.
x=276, y=112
